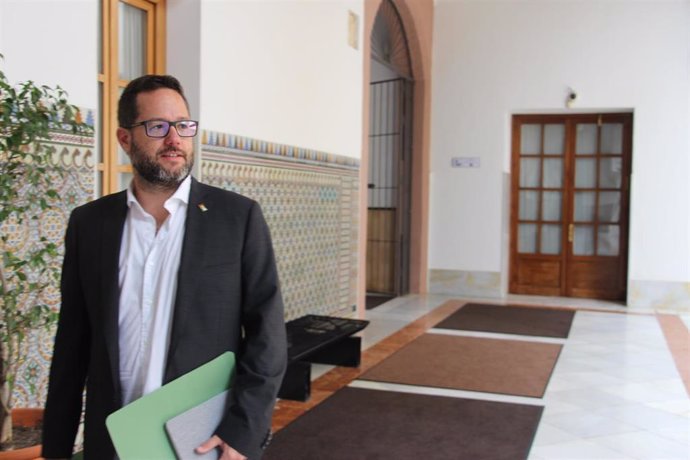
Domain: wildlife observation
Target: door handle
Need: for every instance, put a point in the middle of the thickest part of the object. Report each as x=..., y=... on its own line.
x=571, y=233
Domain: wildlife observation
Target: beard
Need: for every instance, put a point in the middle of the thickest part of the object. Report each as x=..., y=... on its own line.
x=155, y=174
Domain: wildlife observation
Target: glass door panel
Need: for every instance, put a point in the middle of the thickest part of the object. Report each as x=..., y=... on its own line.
x=550, y=239
x=610, y=172
x=132, y=44
x=585, y=172
x=607, y=240
x=530, y=172
x=122, y=157
x=530, y=140
x=554, y=139
x=585, y=203
x=586, y=140
x=553, y=173
x=541, y=166
x=611, y=138
x=598, y=182
x=583, y=242
x=123, y=180
x=609, y=206
x=527, y=238
x=552, y=203
x=529, y=205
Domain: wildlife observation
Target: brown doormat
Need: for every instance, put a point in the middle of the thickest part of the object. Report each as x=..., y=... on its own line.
x=542, y=322
x=509, y=367
x=361, y=424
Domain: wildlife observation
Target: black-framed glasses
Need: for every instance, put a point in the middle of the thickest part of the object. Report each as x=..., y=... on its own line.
x=161, y=128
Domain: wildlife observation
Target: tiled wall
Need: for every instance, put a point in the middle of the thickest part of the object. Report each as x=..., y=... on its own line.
x=77, y=155
x=309, y=199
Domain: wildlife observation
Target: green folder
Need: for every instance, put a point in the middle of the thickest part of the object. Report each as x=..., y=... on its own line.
x=138, y=429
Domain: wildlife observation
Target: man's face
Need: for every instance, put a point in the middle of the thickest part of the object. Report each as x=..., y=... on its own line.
x=162, y=162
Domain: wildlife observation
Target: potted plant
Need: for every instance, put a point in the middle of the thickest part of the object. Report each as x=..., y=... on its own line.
x=28, y=170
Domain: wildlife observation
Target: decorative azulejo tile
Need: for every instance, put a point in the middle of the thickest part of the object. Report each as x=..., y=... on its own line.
x=309, y=200
x=76, y=187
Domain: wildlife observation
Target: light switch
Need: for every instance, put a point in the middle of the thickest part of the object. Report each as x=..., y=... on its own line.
x=465, y=162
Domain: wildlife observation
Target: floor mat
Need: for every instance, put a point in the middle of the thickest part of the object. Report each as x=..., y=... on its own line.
x=510, y=367
x=372, y=424
x=532, y=321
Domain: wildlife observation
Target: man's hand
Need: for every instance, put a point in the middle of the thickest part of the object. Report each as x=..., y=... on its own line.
x=227, y=452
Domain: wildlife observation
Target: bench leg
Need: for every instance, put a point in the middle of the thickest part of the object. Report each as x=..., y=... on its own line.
x=345, y=352
x=296, y=384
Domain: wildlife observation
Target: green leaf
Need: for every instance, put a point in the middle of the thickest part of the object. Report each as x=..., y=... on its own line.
x=28, y=172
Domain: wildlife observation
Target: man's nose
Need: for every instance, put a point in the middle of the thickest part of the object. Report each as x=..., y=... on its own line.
x=173, y=137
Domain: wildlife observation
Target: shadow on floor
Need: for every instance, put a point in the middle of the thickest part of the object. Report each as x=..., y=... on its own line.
x=374, y=300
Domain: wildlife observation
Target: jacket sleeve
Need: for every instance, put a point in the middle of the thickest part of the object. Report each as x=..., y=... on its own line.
x=70, y=357
x=263, y=355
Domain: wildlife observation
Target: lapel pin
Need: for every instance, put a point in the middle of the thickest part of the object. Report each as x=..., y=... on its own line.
x=203, y=207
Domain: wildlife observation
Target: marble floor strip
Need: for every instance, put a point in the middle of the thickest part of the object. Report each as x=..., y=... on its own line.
x=678, y=339
x=620, y=388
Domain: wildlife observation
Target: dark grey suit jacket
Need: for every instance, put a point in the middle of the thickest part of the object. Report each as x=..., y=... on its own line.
x=228, y=299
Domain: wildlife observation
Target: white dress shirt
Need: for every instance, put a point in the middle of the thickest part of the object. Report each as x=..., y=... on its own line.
x=149, y=262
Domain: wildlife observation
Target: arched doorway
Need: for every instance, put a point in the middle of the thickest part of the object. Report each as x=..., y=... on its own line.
x=389, y=161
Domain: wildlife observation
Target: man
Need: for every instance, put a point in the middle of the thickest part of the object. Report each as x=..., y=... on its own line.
x=160, y=279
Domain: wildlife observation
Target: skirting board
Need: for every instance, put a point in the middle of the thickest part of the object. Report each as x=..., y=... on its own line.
x=465, y=283
x=661, y=296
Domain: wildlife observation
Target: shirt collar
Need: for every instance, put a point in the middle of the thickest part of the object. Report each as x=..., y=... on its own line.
x=181, y=195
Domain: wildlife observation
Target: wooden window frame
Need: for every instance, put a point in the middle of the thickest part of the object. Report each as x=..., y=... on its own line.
x=110, y=83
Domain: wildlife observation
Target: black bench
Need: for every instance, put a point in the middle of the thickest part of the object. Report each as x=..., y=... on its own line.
x=321, y=340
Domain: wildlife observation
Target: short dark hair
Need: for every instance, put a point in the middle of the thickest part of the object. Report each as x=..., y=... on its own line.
x=127, y=111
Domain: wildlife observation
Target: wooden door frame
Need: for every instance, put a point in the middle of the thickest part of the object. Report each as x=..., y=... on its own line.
x=417, y=18
x=566, y=257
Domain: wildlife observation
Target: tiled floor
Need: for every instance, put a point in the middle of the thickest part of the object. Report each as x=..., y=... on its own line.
x=616, y=391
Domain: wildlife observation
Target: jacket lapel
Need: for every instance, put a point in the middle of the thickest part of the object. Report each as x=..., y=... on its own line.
x=191, y=262
x=112, y=225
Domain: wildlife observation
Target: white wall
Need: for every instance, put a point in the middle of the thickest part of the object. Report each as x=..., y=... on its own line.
x=2, y=21
x=183, y=57
x=53, y=43
x=496, y=58
x=282, y=71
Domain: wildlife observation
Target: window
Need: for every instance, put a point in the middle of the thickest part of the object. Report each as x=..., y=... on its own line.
x=132, y=39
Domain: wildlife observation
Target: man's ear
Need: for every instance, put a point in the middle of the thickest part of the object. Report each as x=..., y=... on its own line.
x=124, y=137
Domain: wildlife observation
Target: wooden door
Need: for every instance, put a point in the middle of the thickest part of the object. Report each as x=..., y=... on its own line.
x=381, y=247
x=569, y=205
